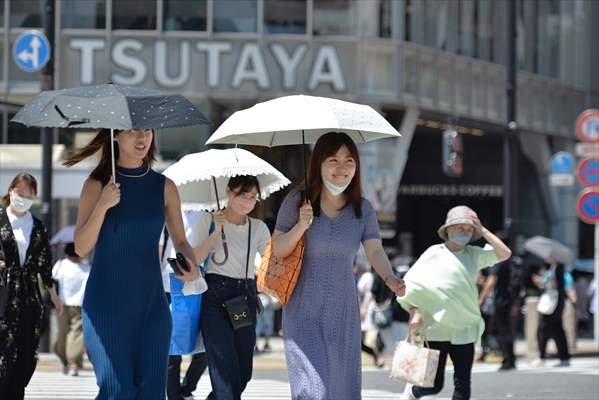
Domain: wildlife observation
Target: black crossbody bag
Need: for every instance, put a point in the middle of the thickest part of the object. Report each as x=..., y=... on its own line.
x=237, y=307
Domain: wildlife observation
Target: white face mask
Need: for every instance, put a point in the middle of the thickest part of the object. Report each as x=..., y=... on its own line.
x=334, y=189
x=20, y=204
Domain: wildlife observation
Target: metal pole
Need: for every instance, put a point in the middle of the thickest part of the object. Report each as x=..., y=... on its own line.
x=510, y=156
x=47, y=83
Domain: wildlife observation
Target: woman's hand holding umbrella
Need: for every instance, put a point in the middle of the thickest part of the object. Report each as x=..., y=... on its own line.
x=219, y=220
x=110, y=196
x=306, y=216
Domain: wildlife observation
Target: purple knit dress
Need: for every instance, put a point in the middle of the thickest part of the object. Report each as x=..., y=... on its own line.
x=321, y=322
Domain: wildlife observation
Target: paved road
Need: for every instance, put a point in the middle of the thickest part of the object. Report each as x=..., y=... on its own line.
x=579, y=382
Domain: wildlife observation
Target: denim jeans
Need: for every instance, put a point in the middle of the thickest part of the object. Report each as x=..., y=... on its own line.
x=462, y=356
x=230, y=352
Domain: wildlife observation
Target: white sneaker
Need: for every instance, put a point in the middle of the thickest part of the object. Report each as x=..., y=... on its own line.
x=537, y=363
x=407, y=393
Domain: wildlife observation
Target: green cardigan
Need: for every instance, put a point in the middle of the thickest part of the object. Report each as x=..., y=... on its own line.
x=442, y=284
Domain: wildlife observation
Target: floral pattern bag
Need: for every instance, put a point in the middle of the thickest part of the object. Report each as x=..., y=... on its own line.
x=415, y=363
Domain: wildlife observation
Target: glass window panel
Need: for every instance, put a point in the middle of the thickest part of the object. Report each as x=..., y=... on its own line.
x=462, y=87
x=235, y=16
x=127, y=14
x=89, y=14
x=478, y=91
x=445, y=83
x=415, y=21
x=285, y=16
x=1, y=13
x=379, y=70
x=411, y=73
x=26, y=13
x=466, y=28
x=485, y=29
x=433, y=23
x=335, y=17
x=185, y=15
x=428, y=79
x=499, y=53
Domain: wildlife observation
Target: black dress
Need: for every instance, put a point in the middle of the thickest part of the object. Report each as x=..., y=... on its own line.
x=21, y=320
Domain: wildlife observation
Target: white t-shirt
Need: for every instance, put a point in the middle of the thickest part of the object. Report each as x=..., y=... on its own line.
x=21, y=228
x=237, y=243
x=71, y=277
x=190, y=219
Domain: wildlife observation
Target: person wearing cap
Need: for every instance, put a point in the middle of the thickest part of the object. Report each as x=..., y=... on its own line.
x=441, y=296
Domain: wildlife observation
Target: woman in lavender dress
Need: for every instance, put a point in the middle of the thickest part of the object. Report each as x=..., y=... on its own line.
x=321, y=322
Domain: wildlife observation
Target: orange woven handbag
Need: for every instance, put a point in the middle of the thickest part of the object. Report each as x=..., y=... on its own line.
x=278, y=276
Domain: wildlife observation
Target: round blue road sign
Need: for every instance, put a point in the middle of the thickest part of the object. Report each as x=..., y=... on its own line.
x=588, y=206
x=562, y=163
x=31, y=51
x=588, y=172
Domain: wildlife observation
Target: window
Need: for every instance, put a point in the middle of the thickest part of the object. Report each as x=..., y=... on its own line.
x=335, y=17
x=184, y=15
x=285, y=16
x=26, y=13
x=127, y=14
x=235, y=16
x=1, y=13
x=89, y=14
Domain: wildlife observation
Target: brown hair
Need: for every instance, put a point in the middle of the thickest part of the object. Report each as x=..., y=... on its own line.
x=22, y=177
x=102, y=142
x=326, y=146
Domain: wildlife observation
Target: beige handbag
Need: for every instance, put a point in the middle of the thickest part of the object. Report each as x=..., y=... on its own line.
x=415, y=363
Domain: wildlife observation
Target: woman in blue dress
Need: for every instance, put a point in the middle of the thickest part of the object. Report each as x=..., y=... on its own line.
x=126, y=321
x=322, y=321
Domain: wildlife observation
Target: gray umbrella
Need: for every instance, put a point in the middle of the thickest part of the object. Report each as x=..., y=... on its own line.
x=109, y=106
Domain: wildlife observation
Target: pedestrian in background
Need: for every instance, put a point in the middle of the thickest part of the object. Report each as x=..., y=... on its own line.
x=504, y=283
x=24, y=254
x=441, y=296
x=126, y=320
x=175, y=388
x=321, y=321
x=71, y=274
x=265, y=322
x=230, y=272
x=551, y=325
x=372, y=343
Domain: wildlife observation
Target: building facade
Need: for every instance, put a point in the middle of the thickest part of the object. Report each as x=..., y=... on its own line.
x=428, y=65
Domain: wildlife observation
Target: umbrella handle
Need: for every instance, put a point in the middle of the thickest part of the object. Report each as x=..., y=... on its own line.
x=226, y=250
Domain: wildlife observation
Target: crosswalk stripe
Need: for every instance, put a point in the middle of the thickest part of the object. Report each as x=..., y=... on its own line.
x=55, y=386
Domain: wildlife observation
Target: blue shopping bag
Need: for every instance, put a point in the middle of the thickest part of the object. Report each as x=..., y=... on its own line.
x=185, y=313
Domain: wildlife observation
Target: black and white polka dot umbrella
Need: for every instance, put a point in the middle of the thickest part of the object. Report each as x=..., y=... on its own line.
x=109, y=106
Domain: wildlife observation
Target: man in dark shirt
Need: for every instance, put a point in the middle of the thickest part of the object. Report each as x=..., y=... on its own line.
x=506, y=281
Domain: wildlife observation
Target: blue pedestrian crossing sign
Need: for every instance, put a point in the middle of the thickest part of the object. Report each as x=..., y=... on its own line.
x=562, y=163
x=31, y=51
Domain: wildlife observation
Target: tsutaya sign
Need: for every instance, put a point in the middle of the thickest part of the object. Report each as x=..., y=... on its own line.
x=205, y=64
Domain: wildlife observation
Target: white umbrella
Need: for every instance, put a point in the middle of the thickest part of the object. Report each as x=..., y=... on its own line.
x=546, y=248
x=195, y=175
x=301, y=119
x=64, y=236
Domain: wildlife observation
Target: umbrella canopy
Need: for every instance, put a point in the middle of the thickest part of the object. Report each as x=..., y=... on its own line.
x=194, y=175
x=301, y=119
x=64, y=236
x=546, y=248
x=109, y=106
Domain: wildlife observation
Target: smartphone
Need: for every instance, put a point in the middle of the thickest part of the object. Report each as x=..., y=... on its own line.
x=183, y=262
x=173, y=263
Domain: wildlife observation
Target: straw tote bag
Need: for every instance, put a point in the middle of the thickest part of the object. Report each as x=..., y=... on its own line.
x=278, y=276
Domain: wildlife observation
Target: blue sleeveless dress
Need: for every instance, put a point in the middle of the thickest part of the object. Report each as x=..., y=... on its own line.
x=126, y=320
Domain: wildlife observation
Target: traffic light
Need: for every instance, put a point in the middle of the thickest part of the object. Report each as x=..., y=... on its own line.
x=453, y=153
